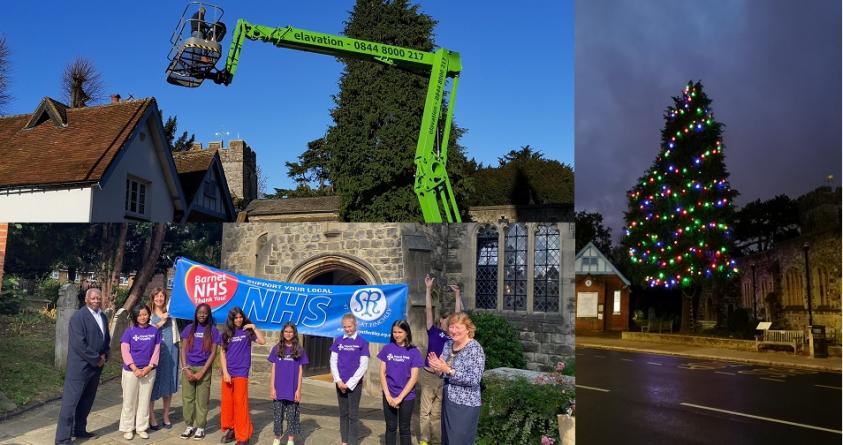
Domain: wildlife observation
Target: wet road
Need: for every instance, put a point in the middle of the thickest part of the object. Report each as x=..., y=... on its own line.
x=639, y=398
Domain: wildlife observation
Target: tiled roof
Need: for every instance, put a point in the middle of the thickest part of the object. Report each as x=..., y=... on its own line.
x=293, y=205
x=78, y=152
x=193, y=160
x=192, y=166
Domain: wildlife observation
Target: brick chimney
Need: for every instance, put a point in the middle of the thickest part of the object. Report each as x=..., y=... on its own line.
x=115, y=98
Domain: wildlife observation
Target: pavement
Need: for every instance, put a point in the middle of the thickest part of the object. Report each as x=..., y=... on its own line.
x=645, y=398
x=319, y=418
x=765, y=357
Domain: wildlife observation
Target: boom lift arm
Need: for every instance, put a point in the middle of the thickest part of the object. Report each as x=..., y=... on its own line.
x=432, y=185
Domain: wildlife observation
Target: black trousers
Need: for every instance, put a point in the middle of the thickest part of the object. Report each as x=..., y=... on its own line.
x=80, y=390
x=398, y=419
x=349, y=403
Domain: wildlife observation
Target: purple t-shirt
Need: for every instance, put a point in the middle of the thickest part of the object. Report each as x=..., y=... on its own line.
x=436, y=339
x=286, y=372
x=196, y=356
x=238, y=357
x=399, y=363
x=349, y=351
x=141, y=343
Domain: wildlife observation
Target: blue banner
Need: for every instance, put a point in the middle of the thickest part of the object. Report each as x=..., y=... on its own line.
x=315, y=309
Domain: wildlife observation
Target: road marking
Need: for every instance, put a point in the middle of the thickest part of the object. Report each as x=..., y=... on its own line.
x=772, y=380
x=829, y=387
x=724, y=372
x=654, y=363
x=627, y=359
x=592, y=388
x=768, y=419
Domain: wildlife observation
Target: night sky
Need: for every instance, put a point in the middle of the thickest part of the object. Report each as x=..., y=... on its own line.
x=771, y=68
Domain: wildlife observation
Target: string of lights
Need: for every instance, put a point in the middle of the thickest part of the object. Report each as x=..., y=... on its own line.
x=678, y=227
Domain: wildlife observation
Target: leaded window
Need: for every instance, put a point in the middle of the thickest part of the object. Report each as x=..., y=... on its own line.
x=546, y=278
x=515, y=268
x=487, y=268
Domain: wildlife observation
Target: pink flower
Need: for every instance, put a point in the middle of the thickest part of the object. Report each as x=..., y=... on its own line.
x=560, y=366
x=547, y=441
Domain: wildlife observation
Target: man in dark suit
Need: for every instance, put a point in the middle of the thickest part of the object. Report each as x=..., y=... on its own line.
x=88, y=345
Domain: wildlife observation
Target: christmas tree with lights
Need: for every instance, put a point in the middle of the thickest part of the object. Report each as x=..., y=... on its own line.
x=679, y=230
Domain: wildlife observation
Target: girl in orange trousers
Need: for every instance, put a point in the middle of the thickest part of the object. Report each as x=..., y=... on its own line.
x=236, y=359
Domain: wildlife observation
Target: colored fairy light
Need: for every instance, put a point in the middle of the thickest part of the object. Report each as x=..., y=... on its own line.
x=674, y=249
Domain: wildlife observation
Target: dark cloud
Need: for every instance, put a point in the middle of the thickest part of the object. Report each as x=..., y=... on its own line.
x=771, y=68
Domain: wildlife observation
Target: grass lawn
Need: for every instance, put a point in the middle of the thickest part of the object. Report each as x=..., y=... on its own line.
x=27, y=375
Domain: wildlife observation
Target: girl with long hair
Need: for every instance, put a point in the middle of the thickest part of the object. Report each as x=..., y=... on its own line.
x=167, y=372
x=235, y=361
x=200, y=340
x=400, y=363
x=139, y=347
x=288, y=359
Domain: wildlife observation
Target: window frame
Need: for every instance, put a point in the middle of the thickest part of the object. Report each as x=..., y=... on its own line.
x=141, y=210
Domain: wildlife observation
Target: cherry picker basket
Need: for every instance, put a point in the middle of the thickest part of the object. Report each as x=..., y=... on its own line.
x=195, y=45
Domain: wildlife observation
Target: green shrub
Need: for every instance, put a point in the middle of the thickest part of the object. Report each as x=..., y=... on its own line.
x=500, y=342
x=570, y=368
x=740, y=325
x=120, y=296
x=12, y=296
x=48, y=289
x=521, y=411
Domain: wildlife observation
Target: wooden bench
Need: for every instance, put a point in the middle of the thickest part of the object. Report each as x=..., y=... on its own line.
x=793, y=339
x=705, y=325
x=657, y=325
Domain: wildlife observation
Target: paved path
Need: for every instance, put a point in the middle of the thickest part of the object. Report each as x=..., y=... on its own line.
x=320, y=424
x=766, y=357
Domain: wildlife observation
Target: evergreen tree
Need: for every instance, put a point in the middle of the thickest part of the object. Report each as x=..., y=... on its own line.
x=523, y=176
x=183, y=143
x=378, y=114
x=589, y=228
x=312, y=166
x=679, y=222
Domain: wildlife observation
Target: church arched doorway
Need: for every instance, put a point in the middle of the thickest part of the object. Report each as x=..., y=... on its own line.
x=331, y=269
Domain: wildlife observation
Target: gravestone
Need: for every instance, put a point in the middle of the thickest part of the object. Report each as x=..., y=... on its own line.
x=65, y=307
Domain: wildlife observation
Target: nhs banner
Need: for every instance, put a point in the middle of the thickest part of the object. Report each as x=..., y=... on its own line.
x=315, y=309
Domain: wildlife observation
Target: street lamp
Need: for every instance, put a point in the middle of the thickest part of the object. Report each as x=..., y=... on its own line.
x=808, y=283
x=754, y=295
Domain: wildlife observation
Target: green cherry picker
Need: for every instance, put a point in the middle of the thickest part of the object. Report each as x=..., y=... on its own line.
x=196, y=50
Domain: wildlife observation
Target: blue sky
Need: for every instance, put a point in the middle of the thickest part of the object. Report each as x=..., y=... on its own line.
x=516, y=89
